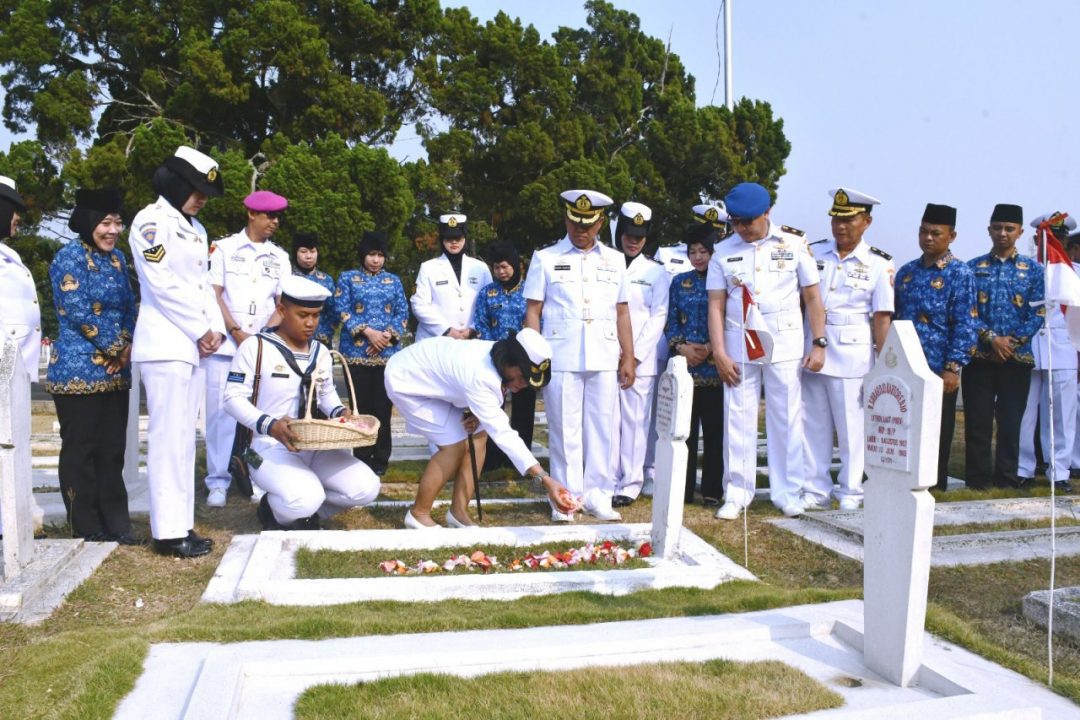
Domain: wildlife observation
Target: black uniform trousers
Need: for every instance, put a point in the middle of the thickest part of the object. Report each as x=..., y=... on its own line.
x=371, y=399
x=708, y=412
x=948, y=427
x=993, y=392
x=93, y=437
x=522, y=417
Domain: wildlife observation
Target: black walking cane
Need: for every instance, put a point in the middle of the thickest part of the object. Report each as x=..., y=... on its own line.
x=475, y=474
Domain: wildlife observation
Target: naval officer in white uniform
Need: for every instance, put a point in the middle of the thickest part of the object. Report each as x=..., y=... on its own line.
x=446, y=286
x=577, y=287
x=772, y=268
x=245, y=272
x=22, y=315
x=179, y=322
x=673, y=256
x=301, y=486
x=647, y=300
x=857, y=291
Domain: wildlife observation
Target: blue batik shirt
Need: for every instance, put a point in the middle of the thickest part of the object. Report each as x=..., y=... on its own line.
x=328, y=319
x=96, y=308
x=363, y=300
x=1004, y=291
x=498, y=313
x=688, y=321
x=940, y=300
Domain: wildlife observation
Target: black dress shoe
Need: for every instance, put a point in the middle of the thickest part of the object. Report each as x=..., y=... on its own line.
x=710, y=502
x=181, y=547
x=622, y=501
x=308, y=523
x=97, y=537
x=1022, y=482
x=199, y=538
x=1063, y=486
x=126, y=539
x=266, y=515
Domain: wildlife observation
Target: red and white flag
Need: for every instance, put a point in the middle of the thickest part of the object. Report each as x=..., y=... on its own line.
x=1062, y=282
x=759, y=342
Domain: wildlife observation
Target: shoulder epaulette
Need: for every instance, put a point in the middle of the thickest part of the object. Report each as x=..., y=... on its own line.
x=658, y=262
x=672, y=244
x=818, y=242
x=547, y=245
x=879, y=251
x=793, y=231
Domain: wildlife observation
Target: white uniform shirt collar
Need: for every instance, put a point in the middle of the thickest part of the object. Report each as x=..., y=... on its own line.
x=860, y=253
x=566, y=245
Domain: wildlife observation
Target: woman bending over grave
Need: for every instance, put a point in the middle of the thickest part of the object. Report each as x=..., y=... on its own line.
x=434, y=383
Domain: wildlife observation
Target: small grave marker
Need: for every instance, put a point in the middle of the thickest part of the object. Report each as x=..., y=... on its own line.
x=16, y=500
x=675, y=394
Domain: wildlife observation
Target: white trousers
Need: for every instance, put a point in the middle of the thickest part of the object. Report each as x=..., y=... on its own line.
x=1038, y=404
x=831, y=404
x=635, y=422
x=582, y=413
x=1076, y=438
x=220, y=425
x=172, y=398
x=302, y=483
x=783, y=423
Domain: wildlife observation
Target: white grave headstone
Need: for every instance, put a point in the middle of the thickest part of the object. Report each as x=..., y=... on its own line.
x=674, y=397
x=131, y=451
x=16, y=499
x=902, y=415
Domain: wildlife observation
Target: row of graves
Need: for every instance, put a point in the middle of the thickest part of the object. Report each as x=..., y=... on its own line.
x=875, y=652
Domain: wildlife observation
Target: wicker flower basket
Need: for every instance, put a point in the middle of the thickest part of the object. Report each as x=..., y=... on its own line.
x=358, y=431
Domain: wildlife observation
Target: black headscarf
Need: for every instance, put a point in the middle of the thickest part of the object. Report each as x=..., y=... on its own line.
x=11, y=202
x=506, y=252
x=91, y=207
x=454, y=258
x=172, y=186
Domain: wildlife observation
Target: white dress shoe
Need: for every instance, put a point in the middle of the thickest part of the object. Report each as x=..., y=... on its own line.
x=809, y=502
x=413, y=524
x=850, y=503
x=561, y=517
x=216, y=498
x=604, y=513
x=793, y=510
x=728, y=511
x=453, y=522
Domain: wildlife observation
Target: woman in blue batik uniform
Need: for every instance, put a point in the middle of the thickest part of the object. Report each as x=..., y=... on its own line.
x=374, y=315
x=305, y=257
x=688, y=335
x=498, y=314
x=90, y=370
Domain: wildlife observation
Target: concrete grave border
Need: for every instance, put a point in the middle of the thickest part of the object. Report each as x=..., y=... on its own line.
x=262, y=567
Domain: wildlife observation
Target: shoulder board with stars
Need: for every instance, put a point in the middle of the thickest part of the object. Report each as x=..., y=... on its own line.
x=672, y=244
x=793, y=231
x=818, y=242
x=880, y=252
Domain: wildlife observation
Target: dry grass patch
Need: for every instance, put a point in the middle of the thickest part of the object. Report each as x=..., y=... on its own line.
x=714, y=689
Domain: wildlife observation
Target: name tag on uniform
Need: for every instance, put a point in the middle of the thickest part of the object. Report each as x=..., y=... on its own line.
x=442, y=282
x=605, y=275
x=280, y=375
x=236, y=377
x=560, y=268
x=646, y=283
x=238, y=258
x=676, y=261
x=474, y=280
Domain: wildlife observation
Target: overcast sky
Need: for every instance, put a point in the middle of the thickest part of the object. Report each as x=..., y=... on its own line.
x=966, y=103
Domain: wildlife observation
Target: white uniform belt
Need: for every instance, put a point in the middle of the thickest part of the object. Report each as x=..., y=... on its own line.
x=847, y=319
x=771, y=308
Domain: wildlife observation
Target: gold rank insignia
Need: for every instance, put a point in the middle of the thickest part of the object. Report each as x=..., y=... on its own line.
x=96, y=308
x=155, y=254
x=937, y=283
x=1018, y=300
x=69, y=284
x=452, y=222
x=639, y=220
x=90, y=331
x=983, y=298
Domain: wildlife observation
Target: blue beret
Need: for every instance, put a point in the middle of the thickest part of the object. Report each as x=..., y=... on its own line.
x=747, y=200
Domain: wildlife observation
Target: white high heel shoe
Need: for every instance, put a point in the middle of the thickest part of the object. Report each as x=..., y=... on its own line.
x=413, y=524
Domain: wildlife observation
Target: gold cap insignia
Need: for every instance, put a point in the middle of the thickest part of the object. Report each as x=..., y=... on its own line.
x=452, y=222
x=638, y=220
x=211, y=175
x=841, y=197
x=583, y=204
x=712, y=215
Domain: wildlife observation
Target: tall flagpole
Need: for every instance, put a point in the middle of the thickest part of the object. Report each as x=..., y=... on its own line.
x=729, y=92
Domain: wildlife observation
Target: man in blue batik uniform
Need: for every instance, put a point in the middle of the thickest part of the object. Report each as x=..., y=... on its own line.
x=499, y=312
x=996, y=380
x=937, y=293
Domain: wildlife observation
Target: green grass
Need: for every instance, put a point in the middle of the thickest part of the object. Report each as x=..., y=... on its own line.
x=320, y=564
x=716, y=688
x=1004, y=526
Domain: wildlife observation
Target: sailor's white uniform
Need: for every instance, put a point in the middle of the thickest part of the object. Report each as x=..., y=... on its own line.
x=1050, y=348
x=432, y=383
x=852, y=290
x=298, y=484
x=647, y=293
x=579, y=291
x=775, y=269
x=22, y=315
x=177, y=308
x=440, y=302
x=673, y=258
x=250, y=274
